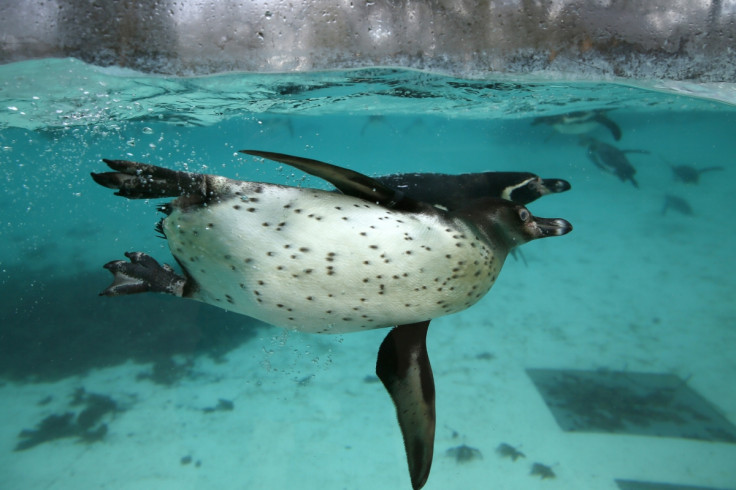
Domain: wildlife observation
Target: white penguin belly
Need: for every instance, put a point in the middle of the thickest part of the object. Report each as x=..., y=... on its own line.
x=324, y=262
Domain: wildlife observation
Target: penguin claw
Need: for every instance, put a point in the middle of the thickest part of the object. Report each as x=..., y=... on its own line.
x=142, y=274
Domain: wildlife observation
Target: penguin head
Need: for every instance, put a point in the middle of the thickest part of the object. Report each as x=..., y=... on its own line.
x=511, y=224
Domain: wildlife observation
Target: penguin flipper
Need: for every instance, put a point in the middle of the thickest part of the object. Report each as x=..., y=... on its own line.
x=403, y=367
x=610, y=125
x=710, y=169
x=347, y=181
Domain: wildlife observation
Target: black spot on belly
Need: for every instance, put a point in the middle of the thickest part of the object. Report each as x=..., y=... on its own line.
x=237, y=206
x=251, y=210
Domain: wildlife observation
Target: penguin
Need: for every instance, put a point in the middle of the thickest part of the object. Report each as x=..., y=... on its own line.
x=688, y=174
x=612, y=160
x=326, y=262
x=581, y=122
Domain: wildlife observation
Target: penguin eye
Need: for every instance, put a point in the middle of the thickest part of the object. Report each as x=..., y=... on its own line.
x=524, y=215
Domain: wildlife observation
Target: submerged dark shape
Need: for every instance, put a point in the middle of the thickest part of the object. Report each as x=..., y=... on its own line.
x=86, y=426
x=509, y=451
x=689, y=174
x=581, y=122
x=612, y=160
x=542, y=471
x=464, y=453
x=678, y=204
x=51, y=428
x=223, y=405
x=323, y=262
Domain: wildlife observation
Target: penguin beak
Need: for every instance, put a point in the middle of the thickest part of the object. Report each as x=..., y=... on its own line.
x=552, y=227
x=555, y=185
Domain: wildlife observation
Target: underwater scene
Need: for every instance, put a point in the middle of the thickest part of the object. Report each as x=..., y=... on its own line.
x=601, y=358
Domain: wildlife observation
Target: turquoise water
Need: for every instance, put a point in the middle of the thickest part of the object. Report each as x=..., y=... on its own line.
x=630, y=289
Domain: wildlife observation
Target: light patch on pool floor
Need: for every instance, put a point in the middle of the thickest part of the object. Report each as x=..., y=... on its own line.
x=640, y=485
x=632, y=403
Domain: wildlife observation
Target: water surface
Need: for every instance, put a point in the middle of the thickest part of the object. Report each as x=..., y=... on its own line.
x=631, y=289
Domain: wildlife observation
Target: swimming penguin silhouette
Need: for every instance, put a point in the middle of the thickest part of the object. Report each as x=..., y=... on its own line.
x=612, y=160
x=325, y=262
x=581, y=122
x=688, y=174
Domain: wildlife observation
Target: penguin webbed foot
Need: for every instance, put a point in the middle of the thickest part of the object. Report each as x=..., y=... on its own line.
x=403, y=367
x=141, y=275
x=143, y=181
